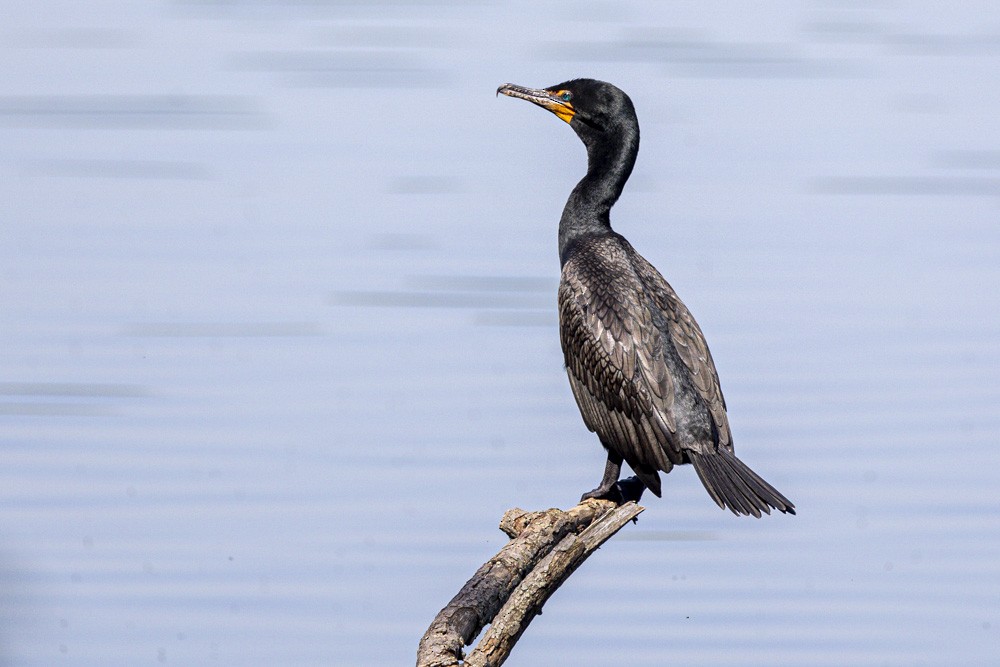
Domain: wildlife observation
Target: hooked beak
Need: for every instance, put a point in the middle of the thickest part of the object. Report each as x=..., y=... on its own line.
x=543, y=98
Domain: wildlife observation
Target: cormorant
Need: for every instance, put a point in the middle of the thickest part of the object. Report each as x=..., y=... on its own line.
x=637, y=361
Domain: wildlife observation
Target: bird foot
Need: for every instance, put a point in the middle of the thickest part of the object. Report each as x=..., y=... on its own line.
x=620, y=492
x=612, y=493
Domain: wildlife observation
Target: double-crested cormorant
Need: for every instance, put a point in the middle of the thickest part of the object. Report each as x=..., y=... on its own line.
x=637, y=361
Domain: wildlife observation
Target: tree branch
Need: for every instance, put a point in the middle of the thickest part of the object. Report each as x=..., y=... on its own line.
x=509, y=590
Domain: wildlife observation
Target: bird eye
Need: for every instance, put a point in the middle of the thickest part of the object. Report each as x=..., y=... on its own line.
x=565, y=96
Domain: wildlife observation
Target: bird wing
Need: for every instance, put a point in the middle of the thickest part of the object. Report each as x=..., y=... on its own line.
x=688, y=341
x=615, y=360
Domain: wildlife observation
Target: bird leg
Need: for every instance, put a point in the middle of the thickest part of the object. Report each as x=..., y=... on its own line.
x=608, y=488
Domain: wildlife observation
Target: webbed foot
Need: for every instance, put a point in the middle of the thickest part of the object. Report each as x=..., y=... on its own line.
x=620, y=492
x=610, y=492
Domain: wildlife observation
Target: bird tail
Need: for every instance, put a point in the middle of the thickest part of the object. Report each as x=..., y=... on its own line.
x=732, y=484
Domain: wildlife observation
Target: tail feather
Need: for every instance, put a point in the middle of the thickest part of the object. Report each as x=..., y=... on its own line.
x=733, y=485
x=727, y=484
x=742, y=487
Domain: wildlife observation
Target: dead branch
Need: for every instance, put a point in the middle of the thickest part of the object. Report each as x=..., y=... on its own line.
x=509, y=590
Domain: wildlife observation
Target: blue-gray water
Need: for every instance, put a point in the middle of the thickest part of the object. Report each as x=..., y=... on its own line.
x=278, y=345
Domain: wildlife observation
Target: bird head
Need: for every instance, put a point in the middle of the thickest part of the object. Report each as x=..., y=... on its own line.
x=592, y=108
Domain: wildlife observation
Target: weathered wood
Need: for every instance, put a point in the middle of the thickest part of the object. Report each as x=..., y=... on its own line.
x=508, y=591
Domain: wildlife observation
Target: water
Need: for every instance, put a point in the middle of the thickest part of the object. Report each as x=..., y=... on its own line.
x=279, y=346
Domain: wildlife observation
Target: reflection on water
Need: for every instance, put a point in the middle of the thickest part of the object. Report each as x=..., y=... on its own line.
x=691, y=55
x=114, y=169
x=120, y=111
x=927, y=186
x=279, y=337
x=508, y=292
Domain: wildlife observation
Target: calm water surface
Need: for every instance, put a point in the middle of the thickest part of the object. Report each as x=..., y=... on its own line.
x=278, y=339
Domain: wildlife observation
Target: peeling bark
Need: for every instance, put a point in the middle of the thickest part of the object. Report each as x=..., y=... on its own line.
x=509, y=590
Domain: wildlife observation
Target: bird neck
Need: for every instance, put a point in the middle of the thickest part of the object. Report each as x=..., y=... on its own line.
x=610, y=158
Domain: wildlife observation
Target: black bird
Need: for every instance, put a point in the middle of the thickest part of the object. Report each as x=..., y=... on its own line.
x=637, y=361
